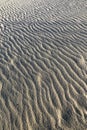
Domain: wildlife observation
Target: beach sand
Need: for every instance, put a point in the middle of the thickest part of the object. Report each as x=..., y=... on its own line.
x=43, y=65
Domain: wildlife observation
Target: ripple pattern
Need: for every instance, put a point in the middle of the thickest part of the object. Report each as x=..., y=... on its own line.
x=43, y=75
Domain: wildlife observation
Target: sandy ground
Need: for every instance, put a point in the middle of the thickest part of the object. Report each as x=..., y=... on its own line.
x=43, y=65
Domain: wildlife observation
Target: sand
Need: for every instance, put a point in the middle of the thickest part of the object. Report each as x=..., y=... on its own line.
x=43, y=65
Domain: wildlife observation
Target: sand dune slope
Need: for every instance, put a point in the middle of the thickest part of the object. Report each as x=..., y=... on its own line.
x=43, y=74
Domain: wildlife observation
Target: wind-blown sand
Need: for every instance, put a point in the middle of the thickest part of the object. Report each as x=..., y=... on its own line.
x=43, y=65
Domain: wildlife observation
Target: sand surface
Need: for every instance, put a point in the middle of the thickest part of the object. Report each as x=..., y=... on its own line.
x=43, y=65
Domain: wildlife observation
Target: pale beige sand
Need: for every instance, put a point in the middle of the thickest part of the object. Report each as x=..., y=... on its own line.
x=43, y=65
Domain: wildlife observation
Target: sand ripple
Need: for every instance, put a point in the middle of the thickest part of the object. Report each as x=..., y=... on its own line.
x=43, y=75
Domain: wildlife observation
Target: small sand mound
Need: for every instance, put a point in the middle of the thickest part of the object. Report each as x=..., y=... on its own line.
x=1, y=27
x=0, y=86
x=81, y=62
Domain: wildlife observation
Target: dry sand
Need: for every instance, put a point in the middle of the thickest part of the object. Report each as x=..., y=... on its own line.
x=43, y=65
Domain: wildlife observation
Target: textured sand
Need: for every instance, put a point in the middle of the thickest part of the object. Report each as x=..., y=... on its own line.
x=43, y=65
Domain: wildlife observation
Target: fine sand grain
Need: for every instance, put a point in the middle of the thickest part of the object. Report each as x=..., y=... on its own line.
x=43, y=65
